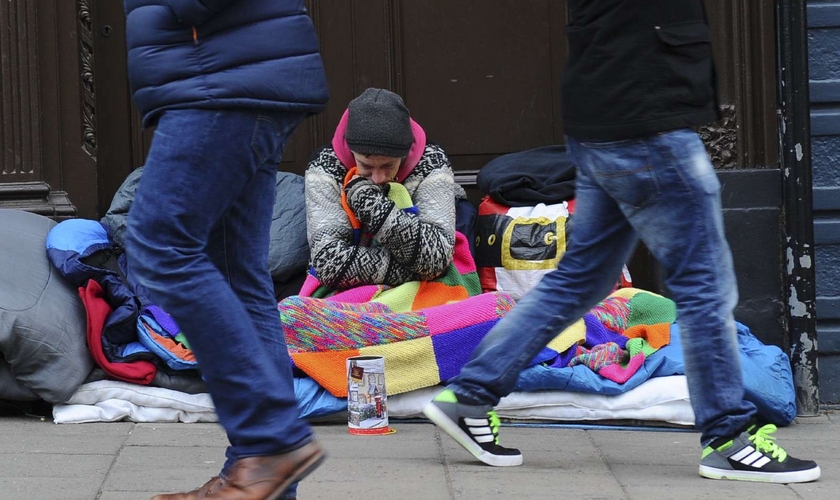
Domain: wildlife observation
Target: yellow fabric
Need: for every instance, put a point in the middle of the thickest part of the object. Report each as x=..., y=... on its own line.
x=400, y=298
x=575, y=334
x=628, y=293
x=409, y=365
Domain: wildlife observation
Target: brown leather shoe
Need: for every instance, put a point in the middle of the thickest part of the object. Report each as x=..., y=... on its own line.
x=210, y=486
x=266, y=478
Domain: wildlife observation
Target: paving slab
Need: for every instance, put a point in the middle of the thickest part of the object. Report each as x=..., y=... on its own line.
x=682, y=481
x=127, y=461
x=177, y=435
x=167, y=468
x=49, y=488
x=25, y=435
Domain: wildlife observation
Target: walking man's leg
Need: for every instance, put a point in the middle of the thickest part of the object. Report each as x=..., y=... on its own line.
x=239, y=246
x=200, y=164
x=682, y=225
x=600, y=243
x=666, y=188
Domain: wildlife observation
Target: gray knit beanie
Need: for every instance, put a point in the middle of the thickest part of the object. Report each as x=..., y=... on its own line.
x=379, y=124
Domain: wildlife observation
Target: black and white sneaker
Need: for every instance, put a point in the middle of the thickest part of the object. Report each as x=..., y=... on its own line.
x=754, y=455
x=476, y=428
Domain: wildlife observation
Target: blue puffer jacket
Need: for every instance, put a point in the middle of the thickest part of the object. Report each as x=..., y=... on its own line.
x=223, y=54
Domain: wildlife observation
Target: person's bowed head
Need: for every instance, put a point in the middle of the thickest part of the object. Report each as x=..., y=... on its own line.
x=379, y=134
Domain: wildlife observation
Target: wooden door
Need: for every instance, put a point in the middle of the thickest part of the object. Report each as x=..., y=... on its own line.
x=481, y=76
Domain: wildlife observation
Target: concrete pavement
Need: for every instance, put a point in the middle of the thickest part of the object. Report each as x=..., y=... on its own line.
x=125, y=461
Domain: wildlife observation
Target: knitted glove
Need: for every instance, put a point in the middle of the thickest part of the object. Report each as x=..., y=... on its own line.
x=369, y=203
x=358, y=189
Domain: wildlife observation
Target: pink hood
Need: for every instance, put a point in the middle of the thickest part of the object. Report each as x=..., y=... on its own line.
x=342, y=150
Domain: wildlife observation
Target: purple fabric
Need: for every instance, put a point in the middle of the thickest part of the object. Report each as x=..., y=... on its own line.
x=565, y=357
x=163, y=319
x=459, y=347
x=597, y=333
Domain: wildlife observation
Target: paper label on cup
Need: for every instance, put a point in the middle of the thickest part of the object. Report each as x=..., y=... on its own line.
x=366, y=396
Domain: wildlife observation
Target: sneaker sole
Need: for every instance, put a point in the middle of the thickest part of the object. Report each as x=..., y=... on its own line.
x=448, y=426
x=800, y=476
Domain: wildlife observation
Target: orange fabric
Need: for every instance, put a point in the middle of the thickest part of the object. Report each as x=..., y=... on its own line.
x=328, y=368
x=354, y=221
x=433, y=293
x=175, y=348
x=657, y=335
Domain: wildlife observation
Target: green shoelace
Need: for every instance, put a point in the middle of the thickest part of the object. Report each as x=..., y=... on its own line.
x=494, y=424
x=765, y=442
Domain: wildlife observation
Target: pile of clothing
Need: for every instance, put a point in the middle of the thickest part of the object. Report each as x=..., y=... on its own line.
x=77, y=331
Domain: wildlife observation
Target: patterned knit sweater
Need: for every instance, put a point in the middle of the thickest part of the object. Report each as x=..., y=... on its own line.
x=398, y=246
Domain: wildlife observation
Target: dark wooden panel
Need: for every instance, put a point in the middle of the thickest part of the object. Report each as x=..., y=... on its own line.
x=49, y=72
x=113, y=131
x=478, y=74
x=336, y=25
x=743, y=39
x=77, y=135
x=20, y=112
x=40, y=102
x=504, y=57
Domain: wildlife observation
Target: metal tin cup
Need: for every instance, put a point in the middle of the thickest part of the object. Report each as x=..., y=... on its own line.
x=367, y=408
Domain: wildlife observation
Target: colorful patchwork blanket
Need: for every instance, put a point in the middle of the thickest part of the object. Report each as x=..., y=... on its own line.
x=426, y=347
x=421, y=348
x=426, y=331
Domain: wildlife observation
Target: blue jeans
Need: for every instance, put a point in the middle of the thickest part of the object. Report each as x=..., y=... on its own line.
x=198, y=241
x=664, y=190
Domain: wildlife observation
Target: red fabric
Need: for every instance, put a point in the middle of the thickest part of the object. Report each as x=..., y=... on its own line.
x=489, y=206
x=98, y=309
x=487, y=278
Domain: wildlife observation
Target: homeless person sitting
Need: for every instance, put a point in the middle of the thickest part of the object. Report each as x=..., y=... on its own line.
x=380, y=203
x=390, y=275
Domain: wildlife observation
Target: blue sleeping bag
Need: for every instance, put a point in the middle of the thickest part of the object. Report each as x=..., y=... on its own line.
x=768, y=379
